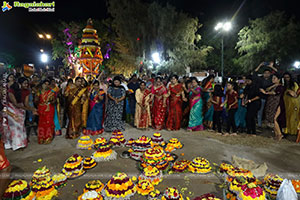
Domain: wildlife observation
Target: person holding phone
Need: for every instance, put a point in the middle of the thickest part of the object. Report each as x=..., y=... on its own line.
x=263, y=83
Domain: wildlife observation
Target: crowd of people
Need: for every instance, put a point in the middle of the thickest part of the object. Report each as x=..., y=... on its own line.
x=90, y=105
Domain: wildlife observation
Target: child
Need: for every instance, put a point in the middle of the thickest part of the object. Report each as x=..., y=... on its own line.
x=240, y=115
x=217, y=102
x=232, y=105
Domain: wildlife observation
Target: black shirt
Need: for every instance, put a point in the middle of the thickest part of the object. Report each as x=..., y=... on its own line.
x=262, y=83
x=251, y=91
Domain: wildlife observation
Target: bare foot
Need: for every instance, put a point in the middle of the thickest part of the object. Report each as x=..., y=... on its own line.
x=234, y=134
x=279, y=137
x=225, y=134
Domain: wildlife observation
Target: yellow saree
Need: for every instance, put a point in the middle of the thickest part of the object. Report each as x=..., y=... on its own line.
x=76, y=101
x=142, y=117
x=292, y=106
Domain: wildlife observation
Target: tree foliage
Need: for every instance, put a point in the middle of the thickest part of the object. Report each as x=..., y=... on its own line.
x=274, y=37
x=135, y=31
x=153, y=27
x=7, y=58
x=59, y=46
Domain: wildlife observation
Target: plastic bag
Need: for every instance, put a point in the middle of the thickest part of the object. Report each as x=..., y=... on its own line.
x=286, y=191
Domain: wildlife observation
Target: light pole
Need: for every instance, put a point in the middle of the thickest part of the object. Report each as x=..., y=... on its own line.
x=44, y=37
x=221, y=27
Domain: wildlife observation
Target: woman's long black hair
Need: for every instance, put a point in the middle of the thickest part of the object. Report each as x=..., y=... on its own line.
x=205, y=81
x=194, y=79
x=218, y=91
x=17, y=91
x=7, y=79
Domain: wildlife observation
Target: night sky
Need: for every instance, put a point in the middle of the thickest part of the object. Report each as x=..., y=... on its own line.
x=19, y=28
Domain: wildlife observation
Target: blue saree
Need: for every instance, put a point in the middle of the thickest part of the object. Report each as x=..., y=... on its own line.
x=196, y=118
x=94, y=124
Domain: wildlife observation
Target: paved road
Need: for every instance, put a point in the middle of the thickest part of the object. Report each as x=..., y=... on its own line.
x=282, y=158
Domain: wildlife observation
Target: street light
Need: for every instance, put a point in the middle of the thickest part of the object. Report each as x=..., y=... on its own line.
x=41, y=36
x=156, y=57
x=44, y=57
x=44, y=36
x=297, y=64
x=48, y=36
x=226, y=26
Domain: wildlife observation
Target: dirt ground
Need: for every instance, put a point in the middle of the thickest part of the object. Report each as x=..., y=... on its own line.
x=281, y=158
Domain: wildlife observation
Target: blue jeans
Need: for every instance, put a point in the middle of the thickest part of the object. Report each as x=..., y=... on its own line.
x=261, y=112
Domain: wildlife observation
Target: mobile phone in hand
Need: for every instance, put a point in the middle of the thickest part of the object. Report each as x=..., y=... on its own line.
x=266, y=63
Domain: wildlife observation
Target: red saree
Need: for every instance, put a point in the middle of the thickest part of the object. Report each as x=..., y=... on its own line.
x=4, y=163
x=46, y=118
x=175, y=108
x=158, y=110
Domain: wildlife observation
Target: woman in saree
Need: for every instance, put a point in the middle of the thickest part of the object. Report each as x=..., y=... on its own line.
x=46, y=113
x=76, y=98
x=274, y=93
x=186, y=104
x=292, y=104
x=96, y=109
x=56, y=119
x=274, y=109
x=159, y=108
x=196, y=118
x=27, y=103
x=207, y=88
x=143, y=96
x=5, y=167
x=66, y=106
x=85, y=101
x=15, y=136
x=176, y=95
x=115, y=107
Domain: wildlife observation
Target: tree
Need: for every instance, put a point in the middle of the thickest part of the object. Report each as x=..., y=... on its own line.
x=152, y=27
x=7, y=59
x=59, y=46
x=274, y=37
